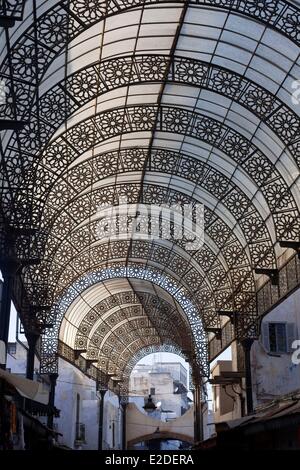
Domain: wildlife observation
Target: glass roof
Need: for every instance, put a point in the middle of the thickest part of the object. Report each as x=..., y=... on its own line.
x=157, y=103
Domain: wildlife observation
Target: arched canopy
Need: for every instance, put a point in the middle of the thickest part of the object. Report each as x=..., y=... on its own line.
x=84, y=322
x=187, y=103
x=123, y=323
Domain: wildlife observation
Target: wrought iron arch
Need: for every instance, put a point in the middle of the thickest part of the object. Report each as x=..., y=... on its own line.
x=170, y=119
x=84, y=85
x=223, y=281
x=49, y=343
x=103, y=165
x=27, y=69
x=65, y=20
x=151, y=350
x=98, y=318
x=210, y=179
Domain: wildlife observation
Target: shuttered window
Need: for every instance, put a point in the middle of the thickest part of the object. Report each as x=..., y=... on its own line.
x=277, y=337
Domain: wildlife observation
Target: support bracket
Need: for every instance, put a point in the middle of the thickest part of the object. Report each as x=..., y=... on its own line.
x=228, y=313
x=216, y=331
x=291, y=244
x=10, y=124
x=77, y=353
x=273, y=274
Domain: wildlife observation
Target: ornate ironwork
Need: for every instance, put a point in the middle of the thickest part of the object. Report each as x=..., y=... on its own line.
x=50, y=340
x=12, y=9
x=52, y=189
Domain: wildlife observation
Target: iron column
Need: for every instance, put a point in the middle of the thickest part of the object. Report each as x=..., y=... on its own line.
x=124, y=407
x=247, y=344
x=198, y=425
x=101, y=416
x=32, y=339
x=9, y=269
x=53, y=378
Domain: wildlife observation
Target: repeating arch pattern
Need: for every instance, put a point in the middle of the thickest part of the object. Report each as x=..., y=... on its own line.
x=63, y=99
x=114, y=122
x=66, y=20
x=183, y=121
x=213, y=272
x=158, y=311
x=49, y=346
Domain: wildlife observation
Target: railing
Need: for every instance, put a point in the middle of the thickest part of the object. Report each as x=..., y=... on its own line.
x=68, y=354
x=215, y=346
x=268, y=296
x=289, y=279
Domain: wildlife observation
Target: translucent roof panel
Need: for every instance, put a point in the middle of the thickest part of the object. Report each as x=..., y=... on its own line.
x=192, y=103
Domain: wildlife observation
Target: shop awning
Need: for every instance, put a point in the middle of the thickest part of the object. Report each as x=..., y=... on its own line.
x=27, y=388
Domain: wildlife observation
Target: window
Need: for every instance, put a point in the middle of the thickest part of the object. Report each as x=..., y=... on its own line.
x=277, y=337
x=12, y=348
x=152, y=391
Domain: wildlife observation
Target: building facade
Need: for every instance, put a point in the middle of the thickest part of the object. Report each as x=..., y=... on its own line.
x=77, y=427
x=167, y=384
x=274, y=364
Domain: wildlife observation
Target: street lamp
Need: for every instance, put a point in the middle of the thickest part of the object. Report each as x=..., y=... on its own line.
x=149, y=406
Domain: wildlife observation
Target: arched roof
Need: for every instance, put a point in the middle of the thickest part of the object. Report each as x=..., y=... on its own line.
x=164, y=102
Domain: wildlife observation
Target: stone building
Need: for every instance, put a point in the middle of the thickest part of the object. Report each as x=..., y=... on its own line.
x=166, y=383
